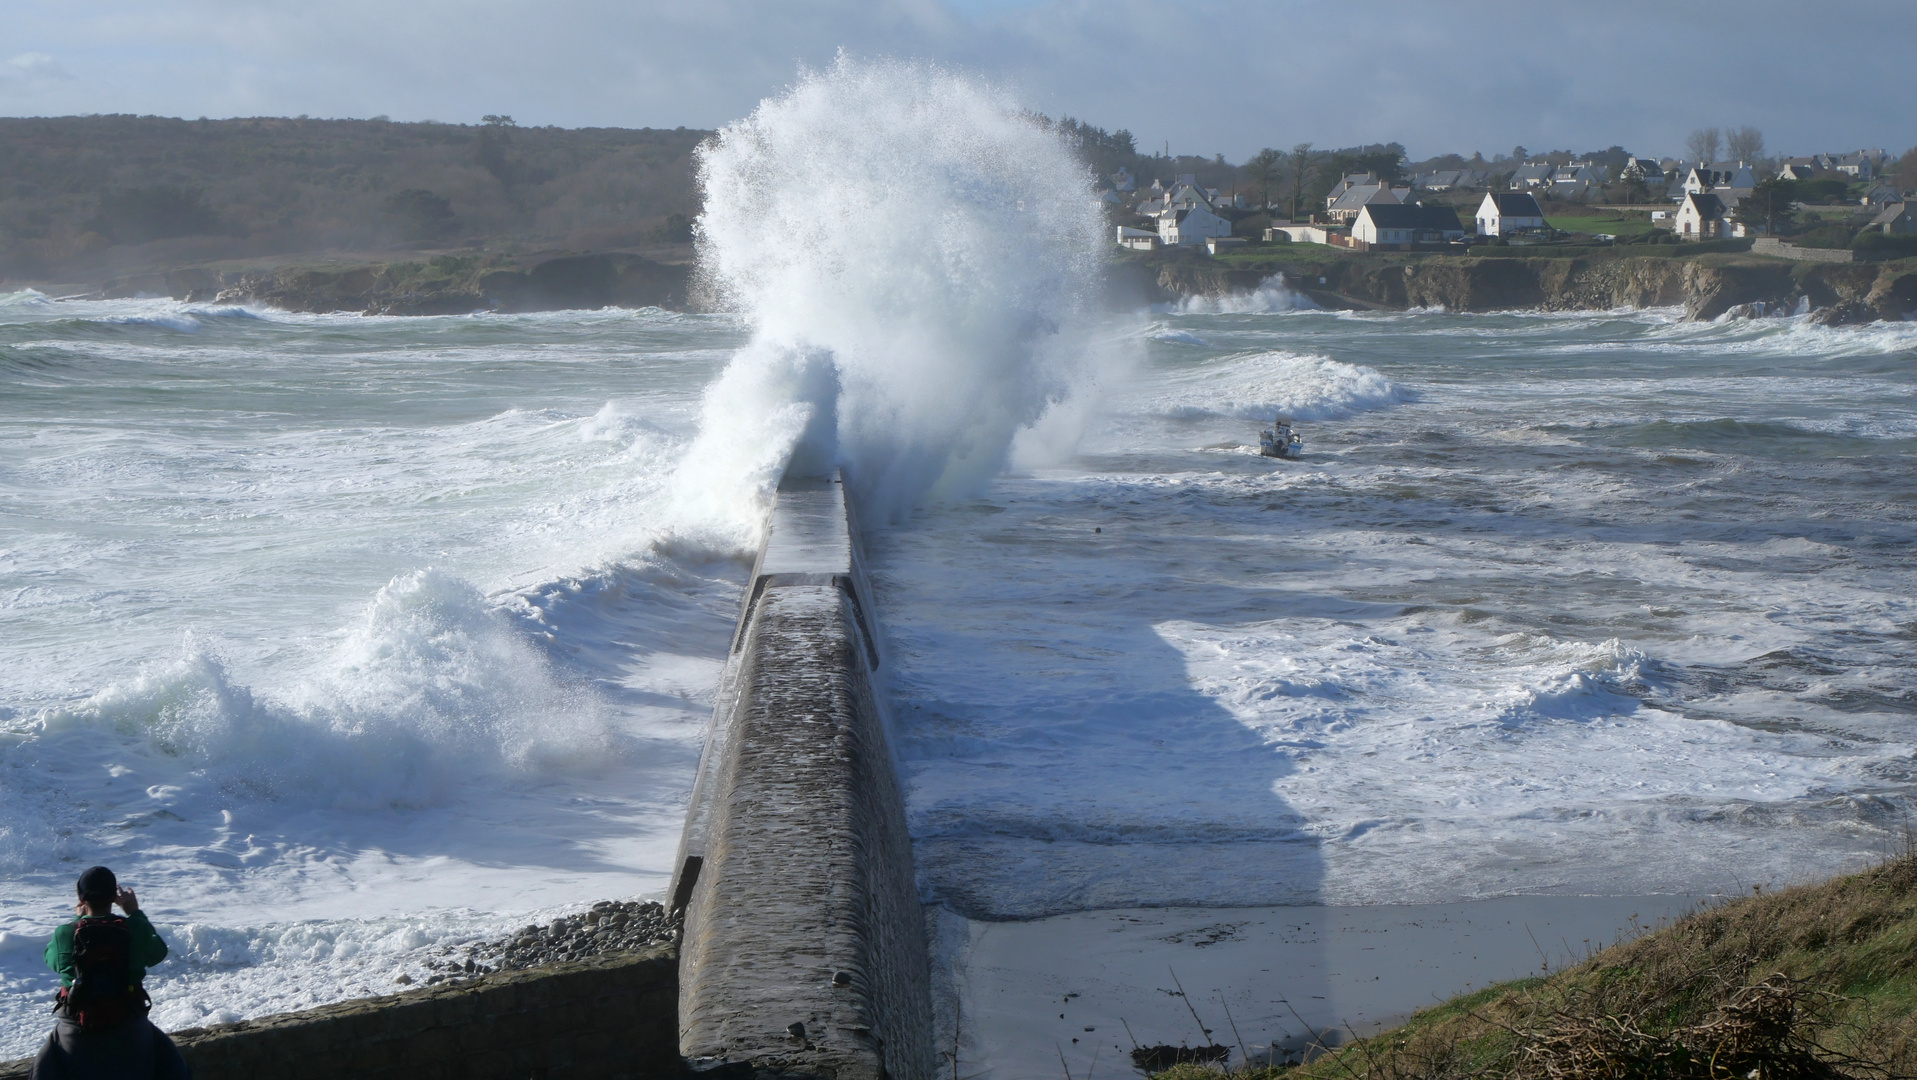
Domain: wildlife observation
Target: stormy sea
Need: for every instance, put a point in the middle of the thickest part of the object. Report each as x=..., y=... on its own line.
x=345, y=639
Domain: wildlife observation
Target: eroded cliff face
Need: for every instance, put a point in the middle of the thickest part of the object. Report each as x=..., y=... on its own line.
x=1706, y=287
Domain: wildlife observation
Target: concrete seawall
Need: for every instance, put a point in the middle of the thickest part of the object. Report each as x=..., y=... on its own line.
x=804, y=948
x=611, y=1017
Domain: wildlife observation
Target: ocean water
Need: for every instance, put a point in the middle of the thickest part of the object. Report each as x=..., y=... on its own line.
x=1600, y=604
x=345, y=639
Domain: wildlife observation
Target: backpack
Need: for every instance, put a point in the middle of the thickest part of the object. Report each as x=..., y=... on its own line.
x=101, y=995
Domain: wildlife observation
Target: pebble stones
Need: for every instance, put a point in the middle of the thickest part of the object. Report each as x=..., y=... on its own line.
x=609, y=926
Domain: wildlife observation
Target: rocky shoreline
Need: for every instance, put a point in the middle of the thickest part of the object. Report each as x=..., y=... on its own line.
x=1706, y=286
x=440, y=285
x=609, y=926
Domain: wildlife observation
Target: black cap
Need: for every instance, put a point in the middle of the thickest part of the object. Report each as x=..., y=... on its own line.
x=98, y=883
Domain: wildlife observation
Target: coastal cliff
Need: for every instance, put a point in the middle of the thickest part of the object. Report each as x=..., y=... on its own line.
x=443, y=285
x=1706, y=286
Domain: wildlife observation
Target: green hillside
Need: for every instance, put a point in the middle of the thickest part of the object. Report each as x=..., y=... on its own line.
x=86, y=197
x=1814, y=981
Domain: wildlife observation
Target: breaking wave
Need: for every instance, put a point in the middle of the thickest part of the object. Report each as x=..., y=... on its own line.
x=431, y=687
x=917, y=259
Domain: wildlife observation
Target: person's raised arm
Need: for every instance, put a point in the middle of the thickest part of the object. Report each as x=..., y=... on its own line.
x=149, y=947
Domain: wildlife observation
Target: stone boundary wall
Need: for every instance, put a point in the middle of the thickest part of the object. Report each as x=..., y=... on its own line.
x=1771, y=245
x=804, y=947
x=608, y=1017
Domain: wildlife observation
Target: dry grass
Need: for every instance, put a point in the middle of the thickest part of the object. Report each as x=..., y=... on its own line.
x=1818, y=981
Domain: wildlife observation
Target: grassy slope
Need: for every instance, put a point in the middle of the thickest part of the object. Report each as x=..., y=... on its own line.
x=1819, y=980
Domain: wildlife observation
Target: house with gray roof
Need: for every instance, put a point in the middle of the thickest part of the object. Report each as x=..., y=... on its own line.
x=1448, y=180
x=1881, y=195
x=1645, y=171
x=1505, y=212
x=1404, y=224
x=1703, y=216
x=1858, y=166
x=1346, y=183
x=1897, y=219
x=1190, y=225
x=1345, y=207
x=1532, y=174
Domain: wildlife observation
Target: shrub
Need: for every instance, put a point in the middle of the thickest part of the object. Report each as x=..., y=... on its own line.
x=139, y=215
x=1826, y=236
x=419, y=214
x=1875, y=244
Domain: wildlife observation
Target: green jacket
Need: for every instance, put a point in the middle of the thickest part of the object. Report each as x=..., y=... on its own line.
x=147, y=950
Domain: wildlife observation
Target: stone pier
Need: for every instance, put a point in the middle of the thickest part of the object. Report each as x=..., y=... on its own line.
x=804, y=948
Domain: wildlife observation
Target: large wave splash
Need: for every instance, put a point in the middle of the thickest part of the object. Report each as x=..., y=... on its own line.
x=916, y=258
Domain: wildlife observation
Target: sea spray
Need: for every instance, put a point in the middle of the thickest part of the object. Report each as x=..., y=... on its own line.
x=916, y=258
x=1257, y=386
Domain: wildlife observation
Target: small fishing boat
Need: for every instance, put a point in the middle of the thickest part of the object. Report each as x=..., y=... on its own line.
x=1280, y=441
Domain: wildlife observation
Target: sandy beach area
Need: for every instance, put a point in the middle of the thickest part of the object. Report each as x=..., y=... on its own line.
x=1083, y=987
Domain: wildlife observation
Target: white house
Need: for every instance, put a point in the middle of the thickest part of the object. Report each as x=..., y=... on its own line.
x=1136, y=239
x=1389, y=224
x=1302, y=234
x=1505, y=212
x=1190, y=225
x=1704, y=178
x=1701, y=217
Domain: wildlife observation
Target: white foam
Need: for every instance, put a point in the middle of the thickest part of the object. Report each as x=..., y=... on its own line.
x=916, y=258
x=1259, y=385
x=372, y=627
x=1272, y=296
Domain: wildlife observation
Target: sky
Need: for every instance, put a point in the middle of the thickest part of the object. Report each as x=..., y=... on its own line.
x=1202, y=77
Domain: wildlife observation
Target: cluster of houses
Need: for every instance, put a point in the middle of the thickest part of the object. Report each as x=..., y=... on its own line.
x=1366, y=212
x=1361, y=211
x=1707, y=193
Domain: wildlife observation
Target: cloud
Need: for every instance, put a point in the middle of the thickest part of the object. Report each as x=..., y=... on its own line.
x=1204, y=75
x=26, y=72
